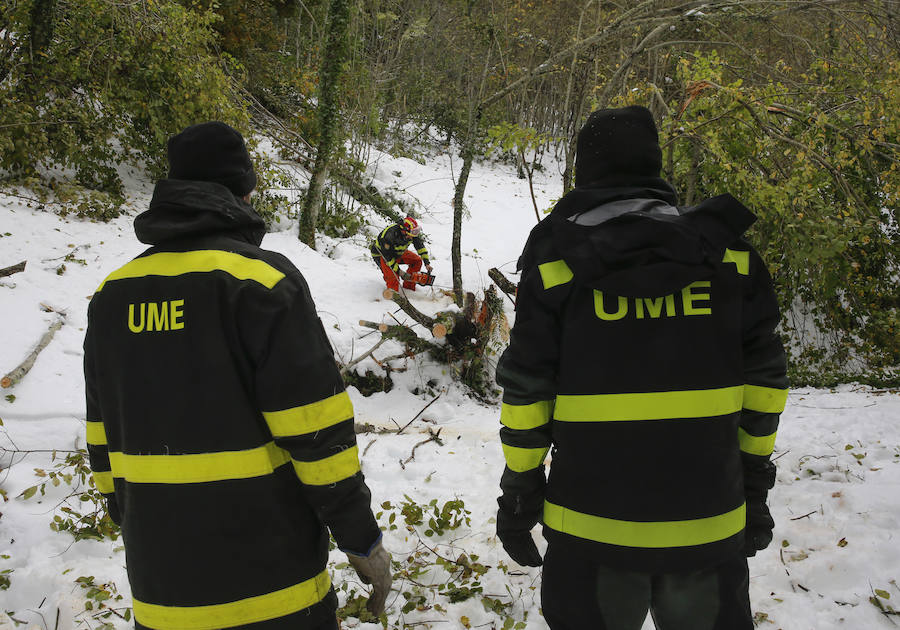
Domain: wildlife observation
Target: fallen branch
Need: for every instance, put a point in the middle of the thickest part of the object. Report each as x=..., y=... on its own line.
x=400, y=333
x=8, y=271
x=22, y=369
x=386, y=360
x=433, y=437
x=363, y=356
x=506, y=285
x=368, y=427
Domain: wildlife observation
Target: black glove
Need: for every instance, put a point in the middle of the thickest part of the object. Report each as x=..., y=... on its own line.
x=759, y=477
x=758, y=530
x=521, y=548
x=520, y=510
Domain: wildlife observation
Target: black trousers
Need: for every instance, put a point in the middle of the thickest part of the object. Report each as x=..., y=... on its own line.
x=577, y=594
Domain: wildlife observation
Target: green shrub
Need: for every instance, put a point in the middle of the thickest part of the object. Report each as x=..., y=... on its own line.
x=108, y=84
x=819, y=168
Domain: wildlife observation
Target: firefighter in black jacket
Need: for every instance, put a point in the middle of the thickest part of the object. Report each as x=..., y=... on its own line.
x=389, y=250
x=644, y=354
x=218, y=427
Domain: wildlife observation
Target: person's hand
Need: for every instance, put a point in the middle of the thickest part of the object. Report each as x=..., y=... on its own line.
x=520, y=509
x=374, y=569
x=758, y=530
x=429, y=268
x=521, y=548
x=405, y=276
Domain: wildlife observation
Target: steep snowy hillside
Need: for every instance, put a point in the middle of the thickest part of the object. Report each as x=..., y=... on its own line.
x=833, y=565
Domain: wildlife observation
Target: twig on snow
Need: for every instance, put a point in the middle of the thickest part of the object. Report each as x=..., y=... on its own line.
x=797, y=518
x=420, y=412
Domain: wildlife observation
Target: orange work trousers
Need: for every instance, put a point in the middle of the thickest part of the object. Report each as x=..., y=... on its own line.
x=413, y=262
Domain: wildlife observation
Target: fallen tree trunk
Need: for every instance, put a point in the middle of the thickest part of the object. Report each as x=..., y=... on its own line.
x=288, y=140
x=8, y=271
x=16, y=374
x=400, y=300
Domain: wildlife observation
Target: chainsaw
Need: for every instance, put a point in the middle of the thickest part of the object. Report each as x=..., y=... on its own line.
x=422, y=278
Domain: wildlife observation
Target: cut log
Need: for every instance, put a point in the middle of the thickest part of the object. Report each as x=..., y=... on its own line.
x=388, y=294
x=444, y=323
x=8, y=271
x=380, y=327
x=22, y=369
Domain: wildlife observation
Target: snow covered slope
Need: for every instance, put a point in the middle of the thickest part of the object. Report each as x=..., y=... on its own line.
x=836, y=504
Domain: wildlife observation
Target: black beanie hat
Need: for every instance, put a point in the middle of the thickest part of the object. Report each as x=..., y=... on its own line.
x=212, y=152
x=617, y=142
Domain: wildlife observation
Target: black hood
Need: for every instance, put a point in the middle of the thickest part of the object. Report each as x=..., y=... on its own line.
x=634, y=241
x=184, y=209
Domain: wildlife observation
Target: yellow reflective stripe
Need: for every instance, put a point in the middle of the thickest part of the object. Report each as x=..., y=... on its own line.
x=104, y=482
x=523, y=459
x=200, y=261
x=524, y=417
x=242, y=612
x=310, y=418
x=756, y=445
x=740, y=259
x=198, y=468
x=648, y=535
x=764, y=399
x=555, y=273
x=329, y=470
x=698, y=403
x=96, y=433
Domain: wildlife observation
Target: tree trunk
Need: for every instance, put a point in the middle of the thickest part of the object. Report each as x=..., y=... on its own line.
x=468, y=155
x=313, y=202
x=328, y=113
x=40, y=32
x=459, y=191
x=568, y=175
x=692, y=173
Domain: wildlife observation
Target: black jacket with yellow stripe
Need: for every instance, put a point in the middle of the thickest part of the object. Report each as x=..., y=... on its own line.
x=218, y=425
x=390, y=244
x=644, y=352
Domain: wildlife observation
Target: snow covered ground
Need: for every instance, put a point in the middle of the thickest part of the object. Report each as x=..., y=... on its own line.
x=836, y=503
